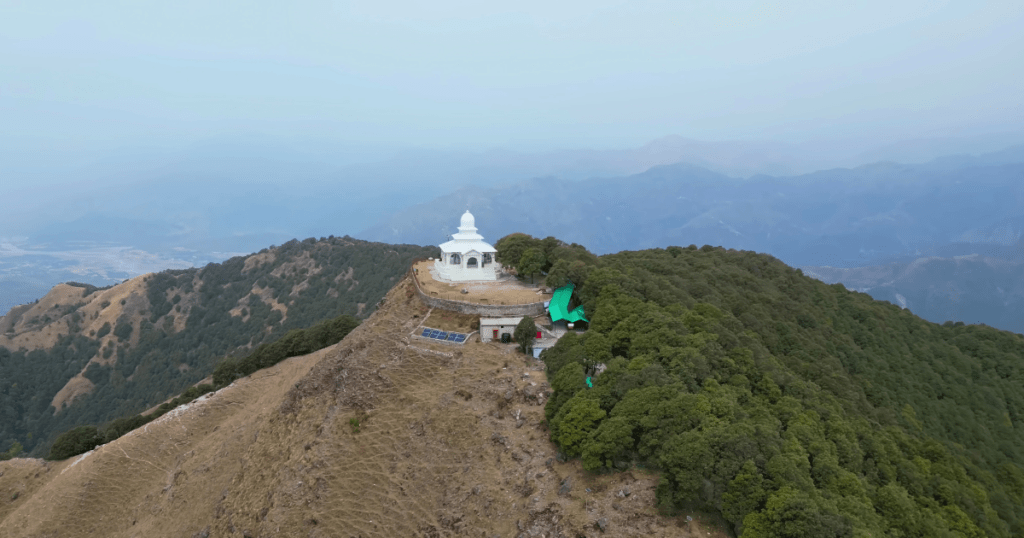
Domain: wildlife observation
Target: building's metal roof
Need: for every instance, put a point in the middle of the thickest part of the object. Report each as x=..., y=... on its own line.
x=500, y=321
x=465, y=247
x=559, y=306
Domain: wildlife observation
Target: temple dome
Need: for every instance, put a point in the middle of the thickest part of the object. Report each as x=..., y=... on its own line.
x=468, y=223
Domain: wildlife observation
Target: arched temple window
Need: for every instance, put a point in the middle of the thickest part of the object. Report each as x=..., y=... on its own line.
x=456, y=260
x=486, y=259
x=471, y=263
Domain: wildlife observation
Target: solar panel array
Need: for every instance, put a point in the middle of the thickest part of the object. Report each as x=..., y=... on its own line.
x=438, y=334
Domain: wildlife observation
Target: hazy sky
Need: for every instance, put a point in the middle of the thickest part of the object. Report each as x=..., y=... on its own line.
x=87, y=78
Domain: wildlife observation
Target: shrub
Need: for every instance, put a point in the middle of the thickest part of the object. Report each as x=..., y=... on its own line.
x=74, y=442
x=225, y=372
x=11, y=452
x=525, y=334
x=295, y=342
x=123, y=330
x=121, y=426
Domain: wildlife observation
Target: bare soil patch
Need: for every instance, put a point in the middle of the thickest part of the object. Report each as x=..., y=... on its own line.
x=75, y=387
x=446, y=320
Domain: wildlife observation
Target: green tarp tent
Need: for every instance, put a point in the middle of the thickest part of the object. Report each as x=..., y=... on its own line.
x=559, y=306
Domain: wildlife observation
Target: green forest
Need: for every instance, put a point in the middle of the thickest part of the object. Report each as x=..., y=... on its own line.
x=164, y=362
x=790, y=407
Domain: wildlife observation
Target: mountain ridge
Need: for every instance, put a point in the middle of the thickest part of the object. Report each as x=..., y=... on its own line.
x=450, y=441
x=84, y=354
x=939, y=289
x=734, y=388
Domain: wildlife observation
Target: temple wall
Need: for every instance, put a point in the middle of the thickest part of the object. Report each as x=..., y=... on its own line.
x=490, y=310
x=461, y=274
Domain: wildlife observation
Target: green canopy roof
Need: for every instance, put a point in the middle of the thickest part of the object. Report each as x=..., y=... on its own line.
x=559, y=306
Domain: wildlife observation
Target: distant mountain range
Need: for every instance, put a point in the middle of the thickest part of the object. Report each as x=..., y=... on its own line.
x=881, y=218
x=216, y=201
x=971, y=289
x=840, y=217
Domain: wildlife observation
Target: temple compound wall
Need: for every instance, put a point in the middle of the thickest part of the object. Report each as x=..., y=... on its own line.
x=489, y=310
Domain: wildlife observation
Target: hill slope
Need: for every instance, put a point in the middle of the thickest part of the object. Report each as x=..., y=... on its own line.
x=793, y=407
x=449, y=443
x=786, y=406
x=85, y=355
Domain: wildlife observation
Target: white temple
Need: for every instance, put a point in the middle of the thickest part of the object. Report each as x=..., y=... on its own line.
x=467, y=257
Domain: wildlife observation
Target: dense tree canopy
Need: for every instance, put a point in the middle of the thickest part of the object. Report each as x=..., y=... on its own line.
x=528, y=255
x=531, y=262
x=792, y=407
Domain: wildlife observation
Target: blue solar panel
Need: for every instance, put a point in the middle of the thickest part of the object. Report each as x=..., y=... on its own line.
x=438, y=334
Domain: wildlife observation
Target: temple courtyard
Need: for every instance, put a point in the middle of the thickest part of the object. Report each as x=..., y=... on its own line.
x=506, y=290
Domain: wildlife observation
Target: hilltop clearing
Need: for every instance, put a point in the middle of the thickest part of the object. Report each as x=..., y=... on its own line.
x=382, y=435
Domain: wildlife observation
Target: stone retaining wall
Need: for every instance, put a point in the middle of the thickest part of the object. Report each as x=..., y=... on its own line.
x=489, y=310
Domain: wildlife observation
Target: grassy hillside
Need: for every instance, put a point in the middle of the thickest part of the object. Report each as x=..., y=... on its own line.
x=792, y=407
x=379, y=436
x=85, y=355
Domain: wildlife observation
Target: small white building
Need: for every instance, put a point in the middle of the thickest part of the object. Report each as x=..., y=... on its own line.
x=491, y=329
x=467, y=257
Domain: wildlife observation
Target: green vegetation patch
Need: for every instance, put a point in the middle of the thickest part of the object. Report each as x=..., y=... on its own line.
x=792, y=407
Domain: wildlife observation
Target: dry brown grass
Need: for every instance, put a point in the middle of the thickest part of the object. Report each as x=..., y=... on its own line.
x=256, y=260
x=446, y=320
x=26, y=327
x=450, y=443
x=38, y=326
x=164, y=479
x=19, y=479
x=75, y=387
